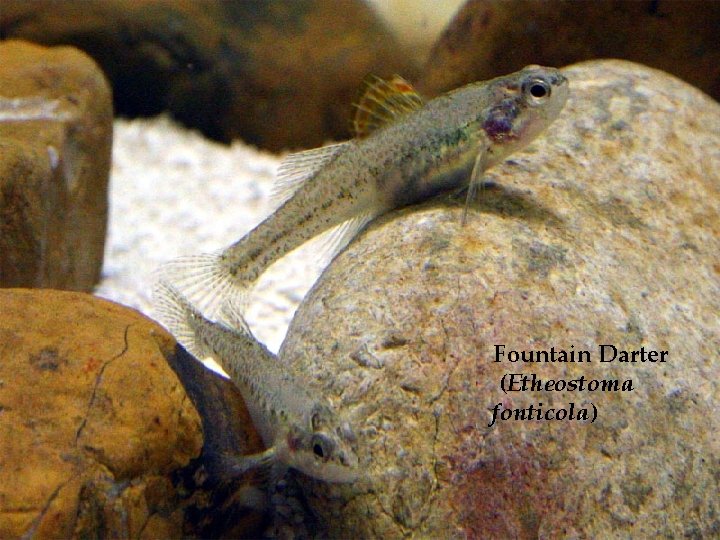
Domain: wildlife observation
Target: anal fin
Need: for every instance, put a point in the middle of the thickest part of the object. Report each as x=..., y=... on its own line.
x=228, y=466
x=335, y=240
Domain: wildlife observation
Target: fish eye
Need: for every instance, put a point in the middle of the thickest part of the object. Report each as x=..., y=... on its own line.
x=318, y=450
x=321, y=447
x=537, y=90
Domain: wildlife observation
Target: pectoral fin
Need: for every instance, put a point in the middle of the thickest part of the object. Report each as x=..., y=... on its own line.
x=232, y=466
x=476, y=177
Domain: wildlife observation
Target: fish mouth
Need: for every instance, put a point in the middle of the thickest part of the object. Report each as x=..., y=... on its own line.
x=337, y=473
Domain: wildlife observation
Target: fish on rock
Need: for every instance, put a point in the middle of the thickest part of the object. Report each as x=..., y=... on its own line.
x=405, y=150
x=300, y=430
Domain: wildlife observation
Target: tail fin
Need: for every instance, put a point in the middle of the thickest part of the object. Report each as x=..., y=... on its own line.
x=178, y=316
x=204, y=281
x=231, y=315
x=187, y=324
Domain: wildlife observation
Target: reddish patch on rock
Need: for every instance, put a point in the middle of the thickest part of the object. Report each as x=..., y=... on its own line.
x=91, y=365
x=488, y=497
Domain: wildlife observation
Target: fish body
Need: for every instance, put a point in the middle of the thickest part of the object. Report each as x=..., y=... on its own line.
x=406, y=151
x=301, y=430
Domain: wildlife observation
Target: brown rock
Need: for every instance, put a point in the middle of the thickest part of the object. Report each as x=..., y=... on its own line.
x=97, y=434
x=604, y=231
x=277, y=74
x=218, y=504
x=55, y=142
x=488, y=38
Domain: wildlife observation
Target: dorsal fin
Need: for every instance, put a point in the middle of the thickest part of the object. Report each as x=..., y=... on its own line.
x=382, y=101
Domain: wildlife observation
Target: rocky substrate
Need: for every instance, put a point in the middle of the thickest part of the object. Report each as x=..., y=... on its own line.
x=108, y=430
x=605, y=231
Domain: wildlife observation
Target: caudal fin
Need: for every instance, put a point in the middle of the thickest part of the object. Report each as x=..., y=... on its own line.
x=205, y=281
x=189, y=326
x=178, y=315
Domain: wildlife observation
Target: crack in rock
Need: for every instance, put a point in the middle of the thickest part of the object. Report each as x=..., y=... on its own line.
x=30, y=533
x=98, y=379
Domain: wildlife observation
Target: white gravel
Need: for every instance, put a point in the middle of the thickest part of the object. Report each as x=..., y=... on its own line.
x=173, y=192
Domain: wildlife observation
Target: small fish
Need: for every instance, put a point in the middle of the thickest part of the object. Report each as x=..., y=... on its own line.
x=301, y=430
x=405, y=150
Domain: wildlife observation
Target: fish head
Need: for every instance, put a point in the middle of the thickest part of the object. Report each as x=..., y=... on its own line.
x=520, y=106
x=322, y=447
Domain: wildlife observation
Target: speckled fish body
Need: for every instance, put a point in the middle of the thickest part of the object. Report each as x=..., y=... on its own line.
x=301, y=430
x=407, y=150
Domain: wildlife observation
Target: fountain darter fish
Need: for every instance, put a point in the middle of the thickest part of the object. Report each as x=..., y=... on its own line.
x=300, y=429
x=405, y=151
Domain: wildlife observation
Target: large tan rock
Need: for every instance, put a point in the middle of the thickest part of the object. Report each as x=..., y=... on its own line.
x=55, y=142
x=488, y=38
x=278, y=74
x=99, y=437
x=606, y=230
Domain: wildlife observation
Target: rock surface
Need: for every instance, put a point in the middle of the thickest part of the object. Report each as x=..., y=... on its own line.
x=488, y=38
x=604, y=231
x=99, y=438
x=55, y=143
x=278, y=74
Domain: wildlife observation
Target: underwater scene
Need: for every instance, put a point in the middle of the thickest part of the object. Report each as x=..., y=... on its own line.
x=360, y=269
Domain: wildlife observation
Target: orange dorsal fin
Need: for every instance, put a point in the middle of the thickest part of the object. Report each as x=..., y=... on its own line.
x=381, y=102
